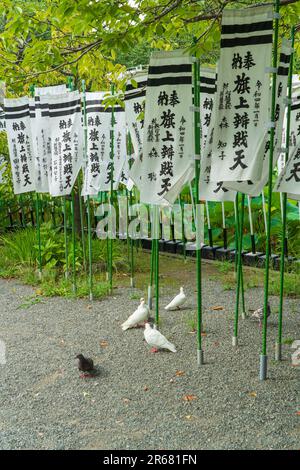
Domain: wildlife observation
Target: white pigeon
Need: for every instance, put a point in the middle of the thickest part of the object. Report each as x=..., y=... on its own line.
x=140, y=315
x=178, y=300
x=259, y=314
x=156, y=340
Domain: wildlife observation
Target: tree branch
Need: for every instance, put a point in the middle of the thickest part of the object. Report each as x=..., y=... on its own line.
x=215, y=15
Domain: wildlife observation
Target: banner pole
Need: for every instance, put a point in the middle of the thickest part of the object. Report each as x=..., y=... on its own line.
x=156, y=262
x=264, y=210
x=81, y=212
x=64, y=205
x=110, y=274
x=278, y=344
x=224, y=226
x=23, y=221
x=263, y=355
x=37, y=211
x=152, y=257
x=88, y=208
x=200, y=355
x=253, y=247
x=181, y=203
x=70, y=85
x=239, y=281
x=130, y=239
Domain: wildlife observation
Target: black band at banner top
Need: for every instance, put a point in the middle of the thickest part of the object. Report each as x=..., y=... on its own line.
x=295, y=106
x=101, y=109
x=209, y=91
x=209, y=81
x=17, y=116
x=15, y=109
x=159, y=69
x=67, y=112
x=130, y=87
x=134, y=96
x=284, y=58
x=69, y=104
x=169, y=81
x=283, y=71
x=247, y=27
x=248, y=41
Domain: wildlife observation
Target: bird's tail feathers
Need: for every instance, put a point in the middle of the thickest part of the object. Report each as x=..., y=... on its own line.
x=125, y=326
x=171, y=347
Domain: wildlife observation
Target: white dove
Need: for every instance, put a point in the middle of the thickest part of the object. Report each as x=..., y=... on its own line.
x=259, y=314
x=140, y=315
x=155, y=339
x=178, y=300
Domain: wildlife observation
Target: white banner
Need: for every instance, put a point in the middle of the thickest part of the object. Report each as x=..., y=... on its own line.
x=168, y=141
x=134, y=106
x=294, y=124
x=99, y=134
x=17, y=118
x=209, y=190
x=289, y=179
x=207, y=95
x=66, y=134
x=41, y=135
x=254, y=188
x=242, y=94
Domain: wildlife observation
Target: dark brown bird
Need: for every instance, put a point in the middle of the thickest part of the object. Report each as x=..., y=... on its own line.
x=85, y=365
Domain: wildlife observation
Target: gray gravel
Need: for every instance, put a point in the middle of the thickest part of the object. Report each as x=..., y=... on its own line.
x=137, y=401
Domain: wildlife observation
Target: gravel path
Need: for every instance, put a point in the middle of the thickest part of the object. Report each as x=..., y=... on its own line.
x=142, y=400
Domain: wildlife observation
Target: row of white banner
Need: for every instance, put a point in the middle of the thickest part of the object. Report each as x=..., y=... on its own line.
x=46, y=133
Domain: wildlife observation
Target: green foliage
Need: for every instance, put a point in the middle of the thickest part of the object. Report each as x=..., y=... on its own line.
x=43, y=41
x=19, y=250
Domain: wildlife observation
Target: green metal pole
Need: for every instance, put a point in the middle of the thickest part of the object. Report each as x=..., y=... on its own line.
x=240, y=225
x=88, y=208
x=278, y=344
x=81, y=212
x=240, y=279
x=23, y=222
x=200, y=355
x=64, y=204
x=130, y=239
x=37, y=210
x=152, y=258
x=38, y=228
x=263, y=356
x=182, y=227
x=73, y=241
x=71, y=87
x=156, y=240
x=111, y=192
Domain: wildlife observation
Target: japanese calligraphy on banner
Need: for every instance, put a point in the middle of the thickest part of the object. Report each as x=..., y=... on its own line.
x=41, y=135
x=289, y=179
x=254, y=188
x=17, y=118
x=99, y=129
x=168, y=141
x=207, y=94
x=66, y=135
x=134, y=106
x=242, y=100
x=209, y=190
